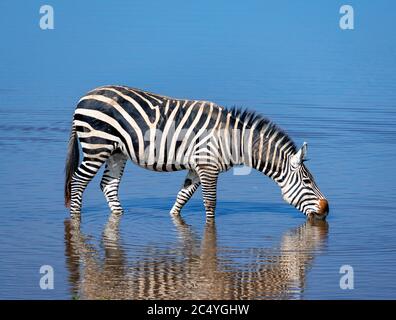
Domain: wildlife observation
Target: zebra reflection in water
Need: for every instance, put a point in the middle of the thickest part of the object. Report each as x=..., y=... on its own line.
x=196, y=271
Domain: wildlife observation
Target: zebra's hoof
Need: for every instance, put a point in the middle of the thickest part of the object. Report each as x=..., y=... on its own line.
x=117, y=212
x=174, y=213
x=75, y=214
x=75, y=219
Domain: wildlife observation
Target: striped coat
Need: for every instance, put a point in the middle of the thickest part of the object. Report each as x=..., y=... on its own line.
x=117, y=123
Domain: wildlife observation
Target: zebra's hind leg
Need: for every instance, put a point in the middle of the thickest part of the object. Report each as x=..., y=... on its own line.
x=80, y=179
x=111, y=180
x=191, y=184
x=208, y=175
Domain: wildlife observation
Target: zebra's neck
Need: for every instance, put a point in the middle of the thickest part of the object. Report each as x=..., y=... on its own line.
x=258, y=143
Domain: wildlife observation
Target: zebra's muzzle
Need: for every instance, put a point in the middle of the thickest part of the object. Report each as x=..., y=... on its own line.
x=323, y=209
x=321, y=212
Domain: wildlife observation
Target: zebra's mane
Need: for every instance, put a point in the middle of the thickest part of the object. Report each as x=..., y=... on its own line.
x=251, y=117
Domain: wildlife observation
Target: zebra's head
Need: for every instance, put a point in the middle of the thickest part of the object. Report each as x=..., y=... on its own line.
x=299, y=188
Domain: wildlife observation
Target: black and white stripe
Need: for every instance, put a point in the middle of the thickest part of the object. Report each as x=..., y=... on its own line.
x=117, y=123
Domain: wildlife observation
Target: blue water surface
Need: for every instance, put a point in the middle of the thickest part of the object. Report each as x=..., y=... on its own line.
x=289, y=60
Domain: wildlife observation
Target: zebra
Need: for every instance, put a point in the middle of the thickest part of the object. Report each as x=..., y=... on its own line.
x=160, y=133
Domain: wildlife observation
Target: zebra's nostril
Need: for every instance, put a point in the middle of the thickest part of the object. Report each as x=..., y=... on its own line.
x=323, y=207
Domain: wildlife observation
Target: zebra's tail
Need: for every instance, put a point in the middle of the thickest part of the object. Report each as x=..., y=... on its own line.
x=72, y=159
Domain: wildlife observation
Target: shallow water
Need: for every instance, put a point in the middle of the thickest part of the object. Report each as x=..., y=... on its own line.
x=334, y=89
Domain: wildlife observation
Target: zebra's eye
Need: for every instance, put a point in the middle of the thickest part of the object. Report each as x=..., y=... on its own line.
x=295, y=167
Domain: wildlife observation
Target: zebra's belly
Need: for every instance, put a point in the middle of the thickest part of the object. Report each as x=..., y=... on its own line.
x=175, y=166
x=162, y=167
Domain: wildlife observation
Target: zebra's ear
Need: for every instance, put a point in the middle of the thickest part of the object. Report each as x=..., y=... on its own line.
x=299, y=157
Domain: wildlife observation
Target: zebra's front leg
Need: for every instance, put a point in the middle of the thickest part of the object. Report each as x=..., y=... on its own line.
x=191, y=184
x=111, y=180
x=208, y=175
